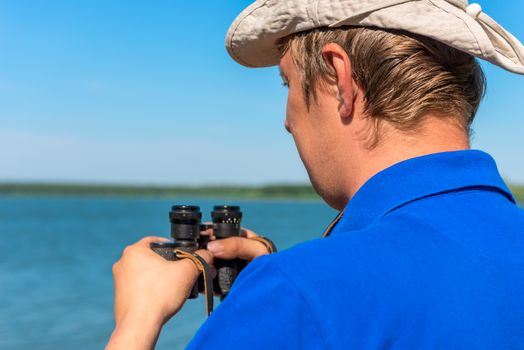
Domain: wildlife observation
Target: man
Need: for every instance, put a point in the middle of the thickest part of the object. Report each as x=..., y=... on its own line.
x=428, y=251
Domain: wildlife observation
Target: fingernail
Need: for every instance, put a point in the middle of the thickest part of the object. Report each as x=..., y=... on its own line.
x=214, y=246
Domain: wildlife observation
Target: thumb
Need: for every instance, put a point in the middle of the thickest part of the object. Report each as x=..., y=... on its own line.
x=236, y=247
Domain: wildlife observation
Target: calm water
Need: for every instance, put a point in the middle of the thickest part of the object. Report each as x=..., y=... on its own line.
x=56, y=288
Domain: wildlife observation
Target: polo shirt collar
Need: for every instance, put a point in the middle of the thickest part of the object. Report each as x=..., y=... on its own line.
x=418, y=178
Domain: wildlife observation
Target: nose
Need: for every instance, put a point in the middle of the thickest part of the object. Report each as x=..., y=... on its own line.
x=286, y=125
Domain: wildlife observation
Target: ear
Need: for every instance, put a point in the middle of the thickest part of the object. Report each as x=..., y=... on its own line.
x=336, y=57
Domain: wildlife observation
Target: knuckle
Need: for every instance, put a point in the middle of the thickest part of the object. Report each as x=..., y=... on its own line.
x=238, y=243
x=128, y=249
x=190, y=270
x=115, y=267
x=206, y=255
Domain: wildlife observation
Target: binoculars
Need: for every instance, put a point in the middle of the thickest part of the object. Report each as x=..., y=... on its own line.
x=186, y=227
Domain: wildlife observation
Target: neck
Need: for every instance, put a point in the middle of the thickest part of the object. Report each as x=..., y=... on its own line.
x=436, y=135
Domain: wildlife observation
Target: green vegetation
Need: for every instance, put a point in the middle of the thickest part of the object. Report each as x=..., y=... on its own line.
x=269, y=191
x=518, y=192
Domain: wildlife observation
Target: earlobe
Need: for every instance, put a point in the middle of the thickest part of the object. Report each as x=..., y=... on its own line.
x=337, y=58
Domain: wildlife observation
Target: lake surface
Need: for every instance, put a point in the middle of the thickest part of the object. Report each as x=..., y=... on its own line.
x=56, y=287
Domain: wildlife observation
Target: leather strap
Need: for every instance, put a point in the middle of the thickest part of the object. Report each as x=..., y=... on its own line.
x=204, y=268
x=270, y=246
x=332, y=224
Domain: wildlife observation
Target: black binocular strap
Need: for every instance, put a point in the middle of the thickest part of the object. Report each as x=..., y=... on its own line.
x=270, y=246
x=204, y=268
x=332, y=224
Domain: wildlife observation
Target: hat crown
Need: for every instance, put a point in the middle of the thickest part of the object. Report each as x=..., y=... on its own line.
x=253, y=38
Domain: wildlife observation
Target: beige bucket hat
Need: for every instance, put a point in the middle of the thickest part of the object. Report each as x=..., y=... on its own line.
x=252, y=38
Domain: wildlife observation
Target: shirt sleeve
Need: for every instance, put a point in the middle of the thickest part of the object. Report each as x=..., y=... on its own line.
x=264, y=310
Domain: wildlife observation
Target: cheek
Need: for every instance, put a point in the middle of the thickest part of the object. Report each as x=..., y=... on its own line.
x=289, y=110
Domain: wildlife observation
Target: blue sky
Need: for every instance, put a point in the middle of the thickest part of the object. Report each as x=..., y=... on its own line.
x=144, y=92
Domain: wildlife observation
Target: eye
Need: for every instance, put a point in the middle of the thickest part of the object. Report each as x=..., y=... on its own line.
x=285, y=81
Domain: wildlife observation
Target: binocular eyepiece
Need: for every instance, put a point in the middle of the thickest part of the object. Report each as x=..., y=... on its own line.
x=186, y=228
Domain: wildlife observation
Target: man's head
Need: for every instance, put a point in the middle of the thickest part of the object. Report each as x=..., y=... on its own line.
x=373, y=82
x=403, y=76
x=354, y=90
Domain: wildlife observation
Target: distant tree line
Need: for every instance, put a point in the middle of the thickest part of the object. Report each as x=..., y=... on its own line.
x=300, y=191
x=518, y=192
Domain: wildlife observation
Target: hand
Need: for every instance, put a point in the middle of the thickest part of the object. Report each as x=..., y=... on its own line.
x=236, y=247
x=149, y=290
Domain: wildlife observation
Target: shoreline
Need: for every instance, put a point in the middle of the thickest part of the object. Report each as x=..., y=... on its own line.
x=290, y=191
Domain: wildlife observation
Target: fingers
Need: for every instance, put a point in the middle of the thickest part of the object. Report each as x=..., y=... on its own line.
x=146, y=241
x=189, y=266
x=145, y=244
x=236, y=247
x=244, y=232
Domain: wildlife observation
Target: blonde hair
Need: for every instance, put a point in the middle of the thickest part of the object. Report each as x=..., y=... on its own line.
x=403, y=76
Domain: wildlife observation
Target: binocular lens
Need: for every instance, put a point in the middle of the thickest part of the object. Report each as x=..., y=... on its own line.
x=226, y=214
x=226, y=220
x=185, y=222
x=185, y=213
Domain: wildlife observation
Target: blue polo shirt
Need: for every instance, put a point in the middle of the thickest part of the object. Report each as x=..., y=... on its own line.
x=429, y=254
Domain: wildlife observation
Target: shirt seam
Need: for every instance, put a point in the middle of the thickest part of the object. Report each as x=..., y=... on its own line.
x=478, y=254
x=315, y=321
x=453, y=192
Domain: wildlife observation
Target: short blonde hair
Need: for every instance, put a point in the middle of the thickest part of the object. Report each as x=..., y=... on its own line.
x=403, y=76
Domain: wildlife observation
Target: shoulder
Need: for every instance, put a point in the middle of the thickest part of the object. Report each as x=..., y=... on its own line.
x=378, y=264
x=391, y=238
